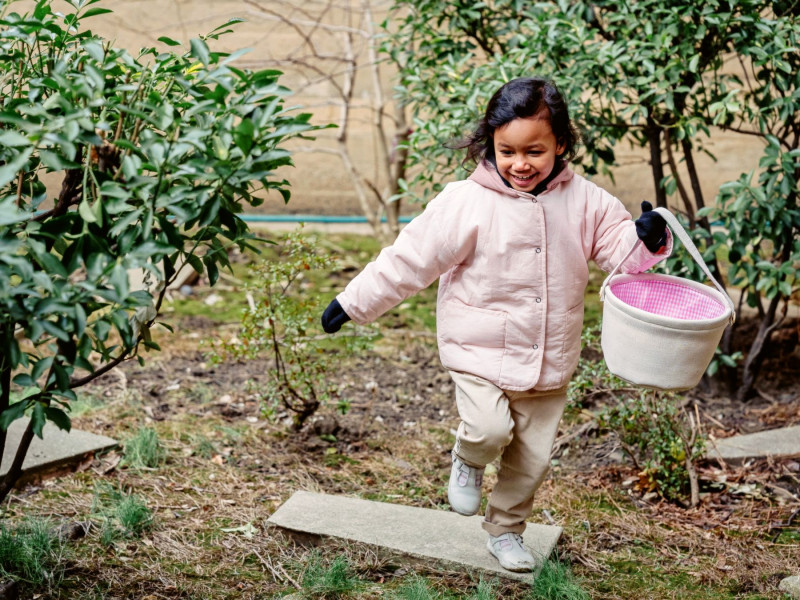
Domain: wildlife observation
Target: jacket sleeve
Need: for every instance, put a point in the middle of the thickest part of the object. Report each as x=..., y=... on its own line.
x=615, y=235
x=427, y=247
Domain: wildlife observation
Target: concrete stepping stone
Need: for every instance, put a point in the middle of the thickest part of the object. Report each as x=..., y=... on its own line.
x=453, y=541
x=775, y=443
x=791, y=586
x=58, y=448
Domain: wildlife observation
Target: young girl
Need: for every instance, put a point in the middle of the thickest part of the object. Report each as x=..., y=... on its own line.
x=510, y=246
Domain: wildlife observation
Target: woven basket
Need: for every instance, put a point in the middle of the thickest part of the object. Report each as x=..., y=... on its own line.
x=661, y=331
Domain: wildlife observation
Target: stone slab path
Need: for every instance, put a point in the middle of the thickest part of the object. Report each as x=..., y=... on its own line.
x=774, y=443
x=791, y=586
x=57, y=449
x=451, y=540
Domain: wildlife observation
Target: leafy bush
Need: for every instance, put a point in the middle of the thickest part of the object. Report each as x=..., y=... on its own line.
x=157, y=154
x=662, y=439
x=283, y=324
x=660, y=76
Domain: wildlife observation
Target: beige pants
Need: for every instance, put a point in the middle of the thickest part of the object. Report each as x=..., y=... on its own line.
x=520, y=427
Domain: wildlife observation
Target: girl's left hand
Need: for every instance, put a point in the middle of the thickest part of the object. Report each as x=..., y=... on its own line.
x=651, y=228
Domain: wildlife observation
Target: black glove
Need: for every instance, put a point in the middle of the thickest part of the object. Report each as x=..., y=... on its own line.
x=334, y=317
x=651, y=228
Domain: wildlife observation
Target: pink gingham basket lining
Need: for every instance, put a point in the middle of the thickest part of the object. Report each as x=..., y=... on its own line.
x=668, y=299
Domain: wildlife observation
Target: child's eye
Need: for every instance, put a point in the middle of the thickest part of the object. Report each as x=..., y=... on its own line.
x=506, y=152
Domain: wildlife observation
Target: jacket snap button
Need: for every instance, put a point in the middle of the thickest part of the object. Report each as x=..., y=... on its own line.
x=536, y=346
x=538, y=300
x=538, y=250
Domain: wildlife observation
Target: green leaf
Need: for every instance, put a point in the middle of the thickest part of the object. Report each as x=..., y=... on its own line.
x=96, y=11
x=195, y=263
x=199, y=50
x=12, y=413
x=86, y=212
x=243, y=135
x=168, y=41
x=212, y=270
x=59, y=418
x=38, y=419
x=12, y=139
x=9, y=171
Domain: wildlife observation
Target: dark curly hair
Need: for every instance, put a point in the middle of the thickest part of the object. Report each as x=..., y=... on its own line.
x=521, y=98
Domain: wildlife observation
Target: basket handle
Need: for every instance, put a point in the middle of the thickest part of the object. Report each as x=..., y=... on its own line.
x=680, y=232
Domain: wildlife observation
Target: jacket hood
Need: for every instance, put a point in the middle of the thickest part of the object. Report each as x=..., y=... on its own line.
x=487, y=176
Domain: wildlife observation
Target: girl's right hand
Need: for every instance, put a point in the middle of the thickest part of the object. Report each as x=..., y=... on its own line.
x=334, y=317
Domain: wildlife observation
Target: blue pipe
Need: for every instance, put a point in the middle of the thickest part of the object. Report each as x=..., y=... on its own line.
x=310, y=219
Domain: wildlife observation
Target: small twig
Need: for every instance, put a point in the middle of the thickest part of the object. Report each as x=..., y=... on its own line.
x=278, y=577
x=783, y=525
x=289, y=577
x=565, y=439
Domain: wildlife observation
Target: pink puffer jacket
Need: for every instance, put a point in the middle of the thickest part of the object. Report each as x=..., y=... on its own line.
x=513, y=270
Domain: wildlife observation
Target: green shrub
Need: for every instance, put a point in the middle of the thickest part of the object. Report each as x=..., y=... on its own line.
x=662, y=440
x=282, y=323
x=157, y=154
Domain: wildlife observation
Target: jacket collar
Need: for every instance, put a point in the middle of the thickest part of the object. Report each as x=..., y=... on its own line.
x=486, y=175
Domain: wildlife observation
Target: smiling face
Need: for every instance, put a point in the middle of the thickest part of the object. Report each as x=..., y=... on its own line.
x=526, y=150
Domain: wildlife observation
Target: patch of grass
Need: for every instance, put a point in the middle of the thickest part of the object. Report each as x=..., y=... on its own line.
x=134, y=515
x=329, y=581
x=555, y=581
x=415, y=588
x=144, y=450
x=86, y=403
x=32, y=553
x=204, y=447
x=486, y=590
x=200, y=393
x=124, y=515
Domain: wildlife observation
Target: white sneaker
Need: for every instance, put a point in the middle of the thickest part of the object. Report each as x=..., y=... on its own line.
x=464, y=489
x=508, y=549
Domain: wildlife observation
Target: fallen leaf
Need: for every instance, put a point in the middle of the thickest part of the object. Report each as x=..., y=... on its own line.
x=247, y=530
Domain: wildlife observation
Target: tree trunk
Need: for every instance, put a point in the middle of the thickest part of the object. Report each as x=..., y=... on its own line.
x=694, y=179
x=656, y=163
x=15, y=471
x=5, y=382
x=755, y=357
x=673, y=167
